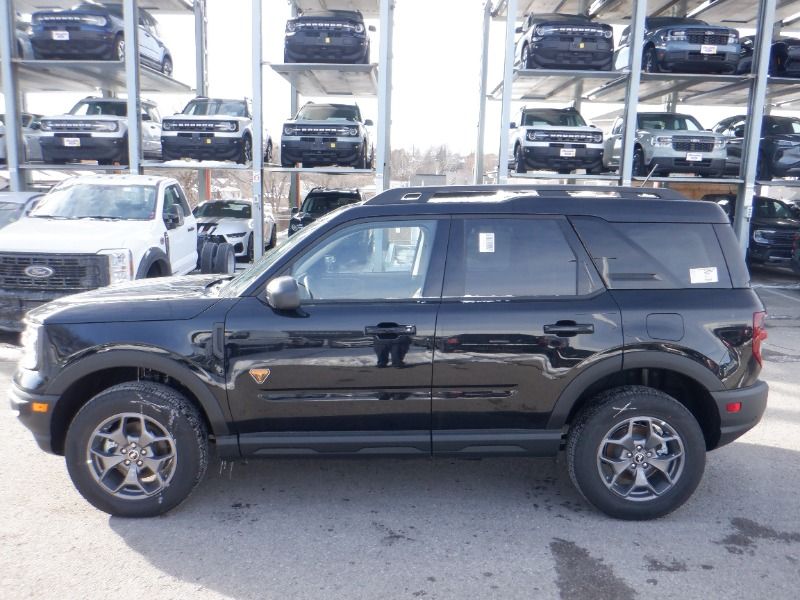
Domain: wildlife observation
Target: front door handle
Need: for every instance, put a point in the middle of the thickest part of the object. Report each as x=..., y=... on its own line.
x=191, y=228
x=390, y=329
x=568, y=328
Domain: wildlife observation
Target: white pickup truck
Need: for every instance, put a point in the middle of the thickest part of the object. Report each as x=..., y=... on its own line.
x=89, y=232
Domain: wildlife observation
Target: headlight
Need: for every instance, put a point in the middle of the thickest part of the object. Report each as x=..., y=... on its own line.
x=598, y=138
x=166, y=125
x=359, y=28
x=539, y=30
x=733, y=38
x=678, y=36
x=290, y=26
x=120, y=265
x=608, y=33
x=105, y=126
x=29, y=359
x=226, y=126
x=95, y=20
x=288, y=130
x=45, y=126
x=662, y=140
x=758, y=235
x=720, y=144
x=353, y=131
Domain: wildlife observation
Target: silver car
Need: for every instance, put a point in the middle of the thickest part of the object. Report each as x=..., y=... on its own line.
x=30, y=138
x=231, y=221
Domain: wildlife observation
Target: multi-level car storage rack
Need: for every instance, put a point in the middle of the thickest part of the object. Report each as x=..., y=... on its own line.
x=755, y=92
x=21, y=76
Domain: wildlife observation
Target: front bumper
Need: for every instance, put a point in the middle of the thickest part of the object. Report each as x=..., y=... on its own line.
x=557, y=54
x=38, y=421
x=325, y=47
x=676, y=162
x=201, y=146
x=777, y=253
x=91, y=148
x=81, y=44
x=753, y=401
x=549, y=157
x=341, y=151
x=14, y=304
x=688, y=57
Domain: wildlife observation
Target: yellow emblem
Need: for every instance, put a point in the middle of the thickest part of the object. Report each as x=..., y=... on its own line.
x=259, y=375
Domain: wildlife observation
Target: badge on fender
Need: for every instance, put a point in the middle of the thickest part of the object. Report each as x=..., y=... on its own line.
x=259, y=375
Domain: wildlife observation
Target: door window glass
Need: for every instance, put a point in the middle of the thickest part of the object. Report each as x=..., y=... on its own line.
x=512, y=258
x=387, y=260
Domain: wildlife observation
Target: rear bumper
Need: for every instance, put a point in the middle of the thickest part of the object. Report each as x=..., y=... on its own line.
x=37, y=421
x=753, y=401
x=201, y=146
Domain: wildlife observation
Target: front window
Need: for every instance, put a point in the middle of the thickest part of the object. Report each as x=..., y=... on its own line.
x=232, y=210
x=229, y=108
x=553, y=118
x=96, y=201
x=329, y=112
x=319, y=205
x=90, y=108
x=773, y=209
x=669, y=122
x=782, y=126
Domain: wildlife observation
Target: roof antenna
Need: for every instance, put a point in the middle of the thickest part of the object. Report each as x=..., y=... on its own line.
x=649, y=175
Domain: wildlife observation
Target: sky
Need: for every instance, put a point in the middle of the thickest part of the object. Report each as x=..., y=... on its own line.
x=436, y=74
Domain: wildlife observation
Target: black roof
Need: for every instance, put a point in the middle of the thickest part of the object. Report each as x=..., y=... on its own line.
x=332, y=14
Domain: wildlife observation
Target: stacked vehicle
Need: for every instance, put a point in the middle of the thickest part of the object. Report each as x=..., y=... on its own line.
x=319, y=202
x=327, y=36
x=231, y=221
x=559, y=41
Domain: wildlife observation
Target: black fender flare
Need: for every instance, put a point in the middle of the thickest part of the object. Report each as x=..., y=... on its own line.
x=189, y=375
x=638, y=359
x=150, y=257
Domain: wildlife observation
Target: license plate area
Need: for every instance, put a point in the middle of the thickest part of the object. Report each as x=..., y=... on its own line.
x=567, y=152
x=694, y=156
x=61, y=36
x=71, y=142
x=708, y=49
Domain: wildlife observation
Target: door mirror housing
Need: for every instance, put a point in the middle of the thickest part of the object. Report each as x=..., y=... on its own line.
x=738, y=132
x=283, y=293
x=512, y=125
x=368, y=123
x=372, y=28
x=173, y=217
x=295, y=210
x=518, y=30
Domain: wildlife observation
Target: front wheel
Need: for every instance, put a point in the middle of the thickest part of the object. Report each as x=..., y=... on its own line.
x=361, y=161
x=137, y=449
x=246, y=154
x=650, y=61
x=519, y=160
x=639, y=168
x=636, y=453
x=166, y=66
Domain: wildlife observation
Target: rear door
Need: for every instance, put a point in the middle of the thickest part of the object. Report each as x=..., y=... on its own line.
x=523, y=313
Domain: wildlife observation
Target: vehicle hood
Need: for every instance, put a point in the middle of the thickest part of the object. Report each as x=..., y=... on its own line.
x=71, y=236
x=222, y=225
x=324, y=122
x=86, y=118
x=161, y=299
x=580, y=129
x=696, y=27
x=762, y=223
x=683, y=133
x=191, y=118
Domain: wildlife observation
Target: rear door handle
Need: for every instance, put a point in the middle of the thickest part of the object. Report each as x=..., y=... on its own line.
x=568, y=328
x=191, y=228
x=390, y=329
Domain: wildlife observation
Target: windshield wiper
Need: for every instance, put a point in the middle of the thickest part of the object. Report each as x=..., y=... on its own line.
x=48, y=217
x=101, y=217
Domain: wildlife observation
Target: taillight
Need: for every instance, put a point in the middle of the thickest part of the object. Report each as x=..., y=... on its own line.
x=759, y=334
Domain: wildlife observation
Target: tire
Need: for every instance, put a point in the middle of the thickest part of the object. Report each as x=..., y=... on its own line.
x=286, y=164
x=598, y=457
x=361, y=161
x=95, y=440
x=525, y=61
x=763, y=169
x=224, y=259
x=650, y=61
x=268, y=153
x=166, y=66
x=273, y=238
x=599, y=170
x=246, y=154
x=118, y=49
x=519, y=160
x=250, y=250
x=639, y=168
x=207, y=255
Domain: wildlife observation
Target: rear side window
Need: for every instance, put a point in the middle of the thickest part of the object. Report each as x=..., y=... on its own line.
x=654, y=255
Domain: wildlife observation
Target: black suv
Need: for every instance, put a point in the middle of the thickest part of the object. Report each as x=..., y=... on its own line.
x=327, y=36
x=773, y=227
x=96, y=31
x=784, y=60
x=565, y=42
x=320, y=201
x=681, y=44
x=778, y=150
x=449, y=321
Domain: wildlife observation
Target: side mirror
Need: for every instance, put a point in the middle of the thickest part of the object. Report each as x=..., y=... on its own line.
x=593, y=126
x=295, y=210
x=146, y=117
x=512, y=125
x=36, y=126
x=372, y=28
x=368, y=123
x=738, y=132
x=283, y=293
x=518, y=30
x=173, y=218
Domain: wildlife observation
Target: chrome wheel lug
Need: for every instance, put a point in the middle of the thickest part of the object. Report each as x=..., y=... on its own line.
x=630, y=454
x=144, y=453
x=638, y=447
x=127, y=462
x=644, y=465
x=140, y=463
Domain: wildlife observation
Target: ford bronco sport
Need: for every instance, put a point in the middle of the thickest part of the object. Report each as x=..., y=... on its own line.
x=617, y=325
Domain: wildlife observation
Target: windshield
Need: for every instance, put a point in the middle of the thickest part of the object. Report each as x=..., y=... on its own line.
x=669, y=122
x=775, y=209
x=91, y=200
x=781, y=126
x=90, y=108
x=326, y=112
x=319, y=205
x=553, y=117
x=235, y=210
x=230, y=108
x=9, y=212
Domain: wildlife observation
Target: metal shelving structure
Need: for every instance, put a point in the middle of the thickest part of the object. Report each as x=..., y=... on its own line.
x=755, y=92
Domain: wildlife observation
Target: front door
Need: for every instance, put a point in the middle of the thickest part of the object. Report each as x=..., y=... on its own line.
x=356, y=358
x=523, y=313
x=182, y=240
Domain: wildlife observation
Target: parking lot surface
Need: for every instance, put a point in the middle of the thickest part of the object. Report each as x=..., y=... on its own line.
x=381, y=528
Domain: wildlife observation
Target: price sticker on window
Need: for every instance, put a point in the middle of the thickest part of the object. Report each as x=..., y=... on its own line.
x=486, y=242
x=703, y=275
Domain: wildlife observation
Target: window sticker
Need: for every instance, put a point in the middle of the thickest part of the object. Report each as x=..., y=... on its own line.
x=703, y=275
x=486, y=242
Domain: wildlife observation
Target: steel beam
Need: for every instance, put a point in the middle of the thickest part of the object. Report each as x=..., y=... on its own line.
x=201, y=81
x=383, y=153
x=508, y=73
x=258, y=133
x=131, y=28
x=13, y=141
x=632, y=96
x=481, y=134
x=755, y=112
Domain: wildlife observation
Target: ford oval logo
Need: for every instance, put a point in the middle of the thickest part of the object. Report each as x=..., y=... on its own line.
x=38, y=271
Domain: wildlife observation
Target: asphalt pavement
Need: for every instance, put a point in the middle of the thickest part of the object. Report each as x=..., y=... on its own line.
x=381, y=528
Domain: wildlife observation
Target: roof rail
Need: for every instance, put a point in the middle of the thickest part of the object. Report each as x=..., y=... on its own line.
x=421, y=195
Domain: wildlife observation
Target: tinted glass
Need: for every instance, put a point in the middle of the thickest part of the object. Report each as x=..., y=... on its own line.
x=654, y=255
x=555, y=118
x=781, y=126
x=319, y=205
x=115, y=109
x=369, y=261
x=510, y=258
x=668, y=121
x=773, y=209
x=325, y=112
x=231, y=108
x=233, y=210
x=86, y=201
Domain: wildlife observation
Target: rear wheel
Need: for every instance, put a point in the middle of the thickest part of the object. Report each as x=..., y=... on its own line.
x=137, y=449
x=118, y=49
x=650, y=61
x=207, y=254
x=635, y=453
x=224, y=259
x=519, y=160
x=268, y=153
x=166, y=66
